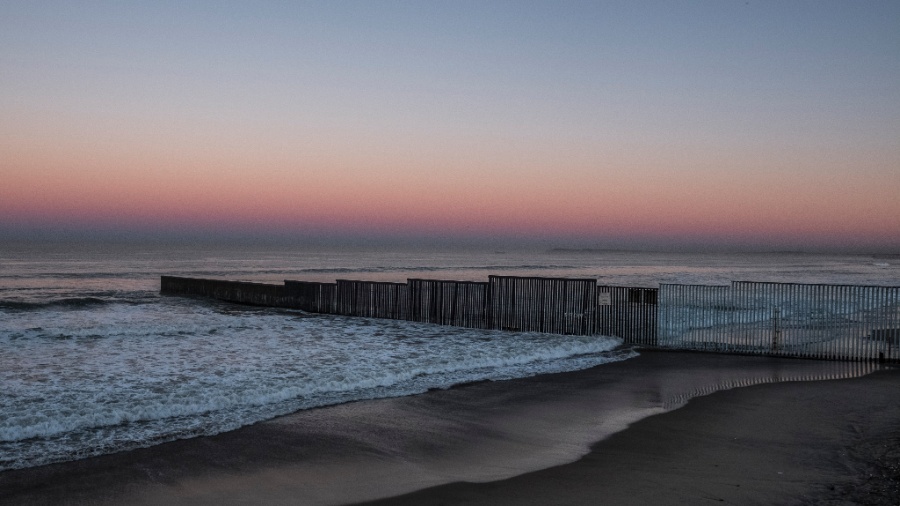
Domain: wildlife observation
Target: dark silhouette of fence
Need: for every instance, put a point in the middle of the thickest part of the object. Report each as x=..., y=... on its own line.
x=551, y=305
x=243, y=292
x=311, y=296
x=456, y=303
x=548, y=305
x=839, y=322
x=628, y=312
x=374, y=299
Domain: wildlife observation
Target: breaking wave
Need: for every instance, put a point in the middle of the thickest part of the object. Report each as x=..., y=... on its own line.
x=173, y=371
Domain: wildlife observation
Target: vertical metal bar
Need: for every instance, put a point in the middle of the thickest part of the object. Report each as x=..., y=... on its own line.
x=892, y=322
x=846, y=302
x=814, y=307
x=739, y=326
x=835, y=321
x=761, y=336
x=888, y=337
x=872, y=343
x=849, y=303
x=872, y=324
x=862, y=309
x=860, y=317
x=830, y=321
x=739, y=296
x=819, y=310
x=664, y=314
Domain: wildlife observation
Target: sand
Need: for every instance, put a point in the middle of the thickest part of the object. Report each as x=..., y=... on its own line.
x=834, y=442
x=664, y=428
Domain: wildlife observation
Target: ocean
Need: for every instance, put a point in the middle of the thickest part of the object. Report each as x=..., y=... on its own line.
x=93, y=360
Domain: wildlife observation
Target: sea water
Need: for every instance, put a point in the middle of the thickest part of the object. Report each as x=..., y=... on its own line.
x=93, y=360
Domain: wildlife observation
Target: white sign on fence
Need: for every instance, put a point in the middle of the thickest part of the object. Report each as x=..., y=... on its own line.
x=604, y=299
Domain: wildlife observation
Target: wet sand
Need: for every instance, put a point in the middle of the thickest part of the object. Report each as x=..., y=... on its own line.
x=818, y=443
x=535, y=441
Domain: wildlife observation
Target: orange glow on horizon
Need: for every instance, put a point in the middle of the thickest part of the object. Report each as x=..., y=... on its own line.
x=531, y=208
x=500, y=192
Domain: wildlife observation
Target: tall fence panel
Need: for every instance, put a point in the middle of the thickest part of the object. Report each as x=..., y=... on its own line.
x=819, y=321
x=551, y=305
x=629, y=313
x=456, y=303
x=243, y=292
x=840, y=322
x=311, y=296
x=374, y=299
x=697, y=317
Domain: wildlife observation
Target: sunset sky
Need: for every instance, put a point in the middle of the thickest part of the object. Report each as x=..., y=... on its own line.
x=719, y=124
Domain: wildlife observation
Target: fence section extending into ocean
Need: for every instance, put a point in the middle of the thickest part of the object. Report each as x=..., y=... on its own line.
x=839, y=322
x=843, y=322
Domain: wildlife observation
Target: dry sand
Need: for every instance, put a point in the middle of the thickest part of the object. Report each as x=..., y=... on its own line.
x=534, y=441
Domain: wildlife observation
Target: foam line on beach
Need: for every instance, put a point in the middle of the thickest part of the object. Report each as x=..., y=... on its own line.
x=76, y=389
x=482, y=432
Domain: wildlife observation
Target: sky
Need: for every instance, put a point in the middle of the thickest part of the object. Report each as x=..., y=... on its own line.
x=672, y=124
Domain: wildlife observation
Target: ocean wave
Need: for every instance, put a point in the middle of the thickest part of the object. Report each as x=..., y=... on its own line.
x=77, y=444
x=76, y=275
x=73, y=302
x=86, y=302
x=97, y=411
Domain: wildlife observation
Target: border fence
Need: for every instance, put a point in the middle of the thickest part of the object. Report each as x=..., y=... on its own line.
x=838, y=322
x=628, y=312
x=242, y=292
x=550, y=305
x=841, y=322
x=373, y=299
x=456, y=303
x=311, y=296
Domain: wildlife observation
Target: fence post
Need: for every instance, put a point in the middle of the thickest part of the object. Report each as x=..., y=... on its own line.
x=775, y=331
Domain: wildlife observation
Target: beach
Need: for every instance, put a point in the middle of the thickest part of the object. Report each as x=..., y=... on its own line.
x=331, y=253
x=662, y=428
x=810, y=443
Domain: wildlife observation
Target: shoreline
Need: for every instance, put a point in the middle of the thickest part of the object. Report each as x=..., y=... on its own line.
x=415, y=449
x=808, y=443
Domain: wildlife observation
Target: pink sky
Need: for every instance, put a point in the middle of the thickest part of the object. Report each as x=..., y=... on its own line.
x=532, y=127
x=541, y=198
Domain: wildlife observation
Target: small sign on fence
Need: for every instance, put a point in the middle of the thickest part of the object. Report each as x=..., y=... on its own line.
x=604, y=299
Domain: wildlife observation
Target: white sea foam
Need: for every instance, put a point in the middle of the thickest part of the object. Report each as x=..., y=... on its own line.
x=121, y=376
